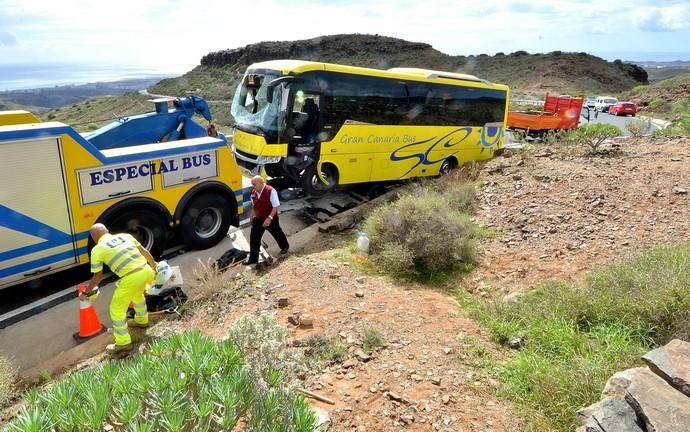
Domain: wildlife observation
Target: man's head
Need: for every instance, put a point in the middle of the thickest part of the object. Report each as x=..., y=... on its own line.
x=97, y=231
x=257, y=183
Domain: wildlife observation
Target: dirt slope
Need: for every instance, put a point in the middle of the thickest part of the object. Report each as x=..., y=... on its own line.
x=559, y=217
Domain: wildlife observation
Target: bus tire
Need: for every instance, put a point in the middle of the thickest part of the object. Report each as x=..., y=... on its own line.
x=312, y=184
x=448, y=165
x=205, y=221
x=145, y=225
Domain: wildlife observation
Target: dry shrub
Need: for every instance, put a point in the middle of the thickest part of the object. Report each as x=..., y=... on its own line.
x=421, y=234
x=7, y=379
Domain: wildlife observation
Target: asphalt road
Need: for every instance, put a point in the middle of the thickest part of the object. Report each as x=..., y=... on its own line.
x=620, y=121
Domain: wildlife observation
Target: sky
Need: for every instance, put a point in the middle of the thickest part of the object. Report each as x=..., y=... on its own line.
x=172, y=36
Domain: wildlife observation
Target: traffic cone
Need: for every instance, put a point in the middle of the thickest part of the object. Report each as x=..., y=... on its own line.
x=89, y=324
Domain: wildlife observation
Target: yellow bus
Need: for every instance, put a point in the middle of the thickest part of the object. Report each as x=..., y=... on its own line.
x=325, y=124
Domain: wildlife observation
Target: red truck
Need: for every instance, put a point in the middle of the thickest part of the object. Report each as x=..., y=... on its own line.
x=558, y=113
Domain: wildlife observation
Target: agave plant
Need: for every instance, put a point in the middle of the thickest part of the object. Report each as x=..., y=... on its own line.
x=31, y=420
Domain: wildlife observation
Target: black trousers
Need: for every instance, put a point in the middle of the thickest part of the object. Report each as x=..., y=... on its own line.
x=258, y=232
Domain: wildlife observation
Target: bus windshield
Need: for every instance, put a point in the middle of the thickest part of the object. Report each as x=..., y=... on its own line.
x=250, y=107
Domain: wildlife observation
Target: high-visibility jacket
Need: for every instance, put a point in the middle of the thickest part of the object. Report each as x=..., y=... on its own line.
x=119, y=252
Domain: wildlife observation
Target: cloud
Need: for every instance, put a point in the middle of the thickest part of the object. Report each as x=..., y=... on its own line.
x=666, y=19
x=8, y=39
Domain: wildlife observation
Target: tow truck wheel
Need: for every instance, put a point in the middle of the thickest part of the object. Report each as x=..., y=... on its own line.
x=146, y=226
x=205, y=221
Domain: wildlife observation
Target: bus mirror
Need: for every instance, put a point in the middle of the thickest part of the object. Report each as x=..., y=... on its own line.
x=276, y=82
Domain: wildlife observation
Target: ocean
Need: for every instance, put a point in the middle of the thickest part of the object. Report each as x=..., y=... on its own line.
x=40, y=75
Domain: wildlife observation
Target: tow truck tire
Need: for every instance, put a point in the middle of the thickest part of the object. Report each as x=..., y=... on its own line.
x=145, y=225
x=312, y=184
x=205, y=221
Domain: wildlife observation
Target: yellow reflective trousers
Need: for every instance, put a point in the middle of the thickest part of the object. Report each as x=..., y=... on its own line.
x=130, y=289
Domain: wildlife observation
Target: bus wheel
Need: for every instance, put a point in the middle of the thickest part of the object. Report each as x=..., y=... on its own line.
x=447, y=166
x=205, y=221
x=312, y=184
x=144, y=225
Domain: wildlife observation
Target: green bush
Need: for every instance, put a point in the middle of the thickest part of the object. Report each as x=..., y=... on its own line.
x=371, y=340
x=593, y=135
x=639, y=127
x=7, y=377
x=576, y=337
x=184, y=382
x=429, y=235
x=329, y=350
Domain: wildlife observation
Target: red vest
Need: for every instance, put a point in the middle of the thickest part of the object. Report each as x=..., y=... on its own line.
x=262, y=204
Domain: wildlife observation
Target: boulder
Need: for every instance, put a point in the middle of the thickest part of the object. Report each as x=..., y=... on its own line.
x=323, y=420
x=672, y=363
x=660, y=406
x=609, y=415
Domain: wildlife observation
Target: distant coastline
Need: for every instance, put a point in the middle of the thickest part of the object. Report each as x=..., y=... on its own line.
x=49, y=75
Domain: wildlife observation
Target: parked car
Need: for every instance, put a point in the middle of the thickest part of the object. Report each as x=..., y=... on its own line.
x=603, y=103
x=590, y=101
x=623, y=108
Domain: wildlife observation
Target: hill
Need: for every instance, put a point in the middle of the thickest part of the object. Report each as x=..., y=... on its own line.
x=42, y=99
x=527, y=74
x=668, y=98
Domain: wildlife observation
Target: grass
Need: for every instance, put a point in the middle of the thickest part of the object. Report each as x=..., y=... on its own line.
x=7, y=378
x=185, y=382
x=327, y=350
x=372, y=340
x=576, y=337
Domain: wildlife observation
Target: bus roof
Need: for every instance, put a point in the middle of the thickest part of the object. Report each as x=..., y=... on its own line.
x=299, y=66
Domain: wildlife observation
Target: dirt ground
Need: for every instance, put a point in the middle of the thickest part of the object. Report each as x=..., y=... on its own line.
x=554, y=217
x=558, y=217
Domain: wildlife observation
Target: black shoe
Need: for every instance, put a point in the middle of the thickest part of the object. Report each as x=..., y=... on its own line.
x=285, y=251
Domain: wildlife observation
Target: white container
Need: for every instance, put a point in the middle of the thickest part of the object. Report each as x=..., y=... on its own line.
x=362, y=247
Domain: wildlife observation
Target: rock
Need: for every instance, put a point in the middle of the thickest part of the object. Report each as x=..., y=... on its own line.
x=306, y=322
x=676, y=159
x=323, y=420
x=283, y=302
x=396, y=397
x=679, y=190
x=610, y=414
x=359, y=293
x=360, y=279
x=362, y=356
x=516, y=341
x=447, y=351
x=672, y=363
x=436, y=381
x=660, y=406
x=293, y=319
x=445, y=399
x=349, y=363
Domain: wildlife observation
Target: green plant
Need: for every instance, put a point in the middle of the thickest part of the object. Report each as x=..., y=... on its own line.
x=576, y=337
x=371, y=340
x=593, y=136
x=639, y=127
x=182, y=383
x=328, y=350
x=7, y=378
x=420, y=234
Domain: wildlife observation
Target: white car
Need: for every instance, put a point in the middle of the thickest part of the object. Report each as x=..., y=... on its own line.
x=603, y=103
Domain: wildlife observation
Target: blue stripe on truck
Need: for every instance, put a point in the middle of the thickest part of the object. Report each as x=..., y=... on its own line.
x=20, y=268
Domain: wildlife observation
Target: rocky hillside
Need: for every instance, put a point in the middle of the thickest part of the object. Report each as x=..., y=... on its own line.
x=669, y=98
x=527, y=74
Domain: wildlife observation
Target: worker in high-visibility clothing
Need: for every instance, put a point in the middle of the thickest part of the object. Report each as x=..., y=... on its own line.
x=135, y=268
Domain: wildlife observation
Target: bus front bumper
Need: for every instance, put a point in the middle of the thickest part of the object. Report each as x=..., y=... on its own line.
x=251, y=165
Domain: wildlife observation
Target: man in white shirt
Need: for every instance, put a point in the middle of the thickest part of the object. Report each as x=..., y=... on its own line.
x=264, y=217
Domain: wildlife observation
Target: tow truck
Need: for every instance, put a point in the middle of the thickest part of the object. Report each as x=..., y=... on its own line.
x=158, y=175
